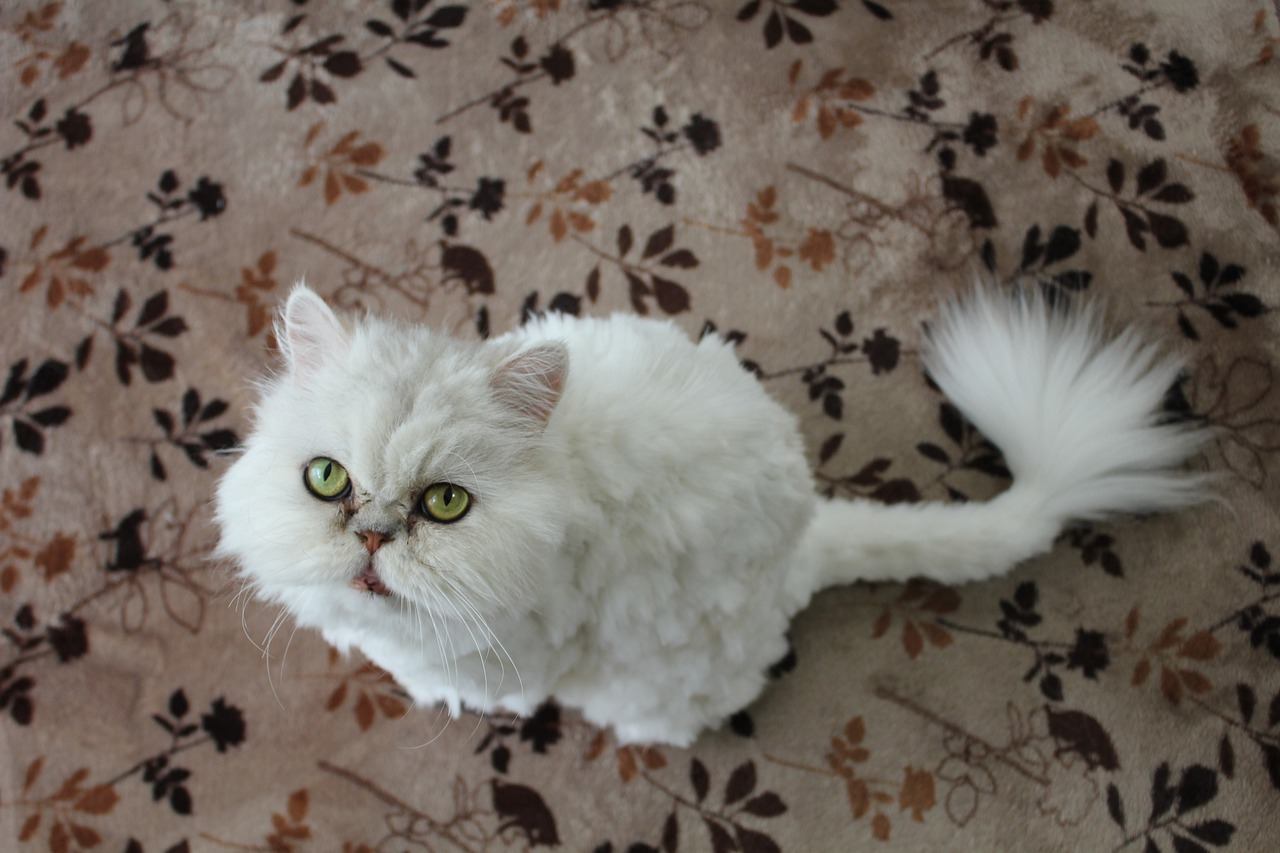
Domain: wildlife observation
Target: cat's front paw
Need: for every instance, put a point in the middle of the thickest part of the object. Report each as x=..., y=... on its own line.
x=428, y=695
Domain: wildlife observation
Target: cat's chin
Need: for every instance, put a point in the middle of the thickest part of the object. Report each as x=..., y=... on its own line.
x=370, y=581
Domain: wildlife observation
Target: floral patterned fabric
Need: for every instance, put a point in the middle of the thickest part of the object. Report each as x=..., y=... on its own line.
x=806, y=177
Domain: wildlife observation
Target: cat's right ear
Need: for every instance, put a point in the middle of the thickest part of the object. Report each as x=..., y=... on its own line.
x=309, y=332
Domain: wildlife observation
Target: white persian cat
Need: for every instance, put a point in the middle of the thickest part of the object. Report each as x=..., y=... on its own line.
x=627, y=517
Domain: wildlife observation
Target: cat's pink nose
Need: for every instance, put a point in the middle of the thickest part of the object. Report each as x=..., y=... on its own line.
x=373, y=539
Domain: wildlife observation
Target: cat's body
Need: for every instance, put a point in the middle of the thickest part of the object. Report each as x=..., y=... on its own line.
x=644, y=523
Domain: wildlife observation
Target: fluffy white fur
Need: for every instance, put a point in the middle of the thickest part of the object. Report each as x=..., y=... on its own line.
x=644, y=524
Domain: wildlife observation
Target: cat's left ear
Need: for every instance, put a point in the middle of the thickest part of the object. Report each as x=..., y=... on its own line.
x=309, y=331
x=531, y=381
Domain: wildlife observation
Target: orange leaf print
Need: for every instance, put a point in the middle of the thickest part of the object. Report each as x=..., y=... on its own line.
x=829, y=79
x=369, y=154
x=364, y=712
x=595, y=192
x=308, y=175
x=558, y=227
x=652, y=758
x=911, y=640
x=27, y=490
x=55, y=558
x=332, y=190
x=29, y=827
x=764, y=252
x=938, y=636
x=98, y=800
x=94, y=260
x=1052, y=166
x=71, y=787
x=857, y=90
x=917, y=792
x=8, y=578
x=336, y=698
x=1131, y=623
x=569, y=182
x=1169, y=636
x=312, y=133
x=1027, y=148
x=782, y=275
x=882, y=624
x=818, y=248
x=855, y=730
x=849, y=118
x=1170, y=686
x=1071, y=158
x=1140, y=673
x=71, y=60
x=1081, y=129
x=55, y=294
x=626, y=764
x=581, y=222
x=942, y=600
x=843, y=751
x=1194, y=681
x=880, y=827
x=59, y=841
x=859, y=797
x=596, y=748
x=1200, y=646
x=85, y=836
x=343, y=145
x=801, y=110
x=33, y=773
x=354, y=184
x=391, y=707
x=826, y=122
x=259, y=317
x=298, y=805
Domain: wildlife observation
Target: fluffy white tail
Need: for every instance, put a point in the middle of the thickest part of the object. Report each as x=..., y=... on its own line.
x=1077, y=416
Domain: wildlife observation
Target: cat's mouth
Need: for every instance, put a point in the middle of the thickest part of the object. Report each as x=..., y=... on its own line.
x=369, y=581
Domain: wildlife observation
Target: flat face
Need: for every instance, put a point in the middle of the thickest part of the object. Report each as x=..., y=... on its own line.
x=385, y=461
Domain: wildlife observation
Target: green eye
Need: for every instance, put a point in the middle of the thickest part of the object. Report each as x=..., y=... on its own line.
x=445, y=502
x=326, y=479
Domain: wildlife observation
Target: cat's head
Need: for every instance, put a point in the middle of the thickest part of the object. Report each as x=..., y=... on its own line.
x=387, y=461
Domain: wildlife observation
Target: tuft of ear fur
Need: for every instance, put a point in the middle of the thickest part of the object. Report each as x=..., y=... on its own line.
x=531, y=381
x=308, y=331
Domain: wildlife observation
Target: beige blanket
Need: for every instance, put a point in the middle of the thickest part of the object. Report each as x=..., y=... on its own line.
x=808, y=177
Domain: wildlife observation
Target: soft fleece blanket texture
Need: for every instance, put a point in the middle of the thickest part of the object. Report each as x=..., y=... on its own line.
x=807, y=177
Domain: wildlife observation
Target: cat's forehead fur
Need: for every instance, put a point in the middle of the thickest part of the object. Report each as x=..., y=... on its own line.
x=395, y=404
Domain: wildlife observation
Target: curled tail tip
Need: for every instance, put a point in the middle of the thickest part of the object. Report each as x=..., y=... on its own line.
x=1077, y=412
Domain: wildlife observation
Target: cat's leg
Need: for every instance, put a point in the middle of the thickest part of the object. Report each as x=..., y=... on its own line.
x=668, y=732
x=1078, y=417
x=427, y=690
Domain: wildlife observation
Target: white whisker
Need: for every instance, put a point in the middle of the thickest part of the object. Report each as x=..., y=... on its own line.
x=480, y=716
x=462, y=597
x=266, y=653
